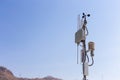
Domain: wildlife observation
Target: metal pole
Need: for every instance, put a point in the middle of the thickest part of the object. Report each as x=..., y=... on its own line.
x=84, y=46
x=80, y=37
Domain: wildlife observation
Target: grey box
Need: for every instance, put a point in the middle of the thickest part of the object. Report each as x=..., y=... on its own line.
x=79, y=35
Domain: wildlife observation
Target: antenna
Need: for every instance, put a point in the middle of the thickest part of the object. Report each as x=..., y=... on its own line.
x=78, y=27
x=77, y=53
x=78, y=23
x=80, y=37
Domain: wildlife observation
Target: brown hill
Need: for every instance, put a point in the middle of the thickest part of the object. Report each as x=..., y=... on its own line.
x=45, y=78
x=6, y=74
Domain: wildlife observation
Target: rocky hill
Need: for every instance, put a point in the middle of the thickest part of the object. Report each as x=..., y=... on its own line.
x=6, y=74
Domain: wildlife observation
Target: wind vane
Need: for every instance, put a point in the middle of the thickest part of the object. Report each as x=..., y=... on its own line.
x=80, y=37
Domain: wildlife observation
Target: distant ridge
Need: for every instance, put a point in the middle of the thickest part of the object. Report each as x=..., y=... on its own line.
x=6, y=74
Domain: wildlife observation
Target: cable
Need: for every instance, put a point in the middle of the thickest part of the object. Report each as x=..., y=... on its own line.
x=87, y=57
x=92, y=62
x=77, y=53
x=87, y=31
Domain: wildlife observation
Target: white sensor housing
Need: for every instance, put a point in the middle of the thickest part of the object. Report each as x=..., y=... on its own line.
x=85, y=72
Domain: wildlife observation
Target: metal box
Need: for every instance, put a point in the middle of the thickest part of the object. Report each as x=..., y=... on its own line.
x=79, y=35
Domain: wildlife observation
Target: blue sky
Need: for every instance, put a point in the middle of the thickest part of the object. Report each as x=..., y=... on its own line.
x=37, y=37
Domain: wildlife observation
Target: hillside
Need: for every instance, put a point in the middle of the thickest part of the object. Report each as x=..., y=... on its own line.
x=6, y=74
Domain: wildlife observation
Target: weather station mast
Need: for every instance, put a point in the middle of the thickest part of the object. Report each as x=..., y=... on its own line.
x=80, y=40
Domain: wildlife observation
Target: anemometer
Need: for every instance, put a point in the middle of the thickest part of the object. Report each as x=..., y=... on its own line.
x=80, y=39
